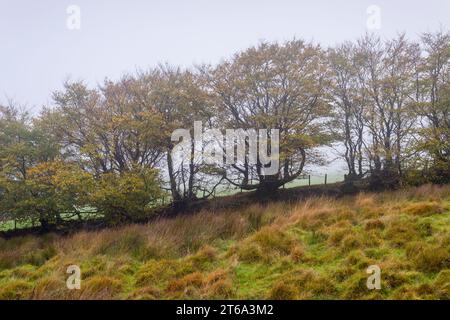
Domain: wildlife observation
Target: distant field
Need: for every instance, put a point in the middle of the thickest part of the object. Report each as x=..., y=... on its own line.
x=315, y=249
x=316, y=179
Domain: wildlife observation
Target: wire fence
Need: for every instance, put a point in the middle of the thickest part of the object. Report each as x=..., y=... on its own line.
x=302, y=180
x=9, y=223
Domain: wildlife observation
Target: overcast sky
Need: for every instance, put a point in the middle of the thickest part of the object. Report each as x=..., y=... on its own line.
x=38, y=51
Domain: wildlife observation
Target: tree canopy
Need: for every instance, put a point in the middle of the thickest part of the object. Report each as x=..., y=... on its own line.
x=384, y=105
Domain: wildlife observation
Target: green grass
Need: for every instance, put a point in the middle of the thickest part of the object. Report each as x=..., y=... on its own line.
x=316, y=249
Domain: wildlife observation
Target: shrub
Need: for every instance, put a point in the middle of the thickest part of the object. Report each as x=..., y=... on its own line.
x=50, y=188
x=125, y=196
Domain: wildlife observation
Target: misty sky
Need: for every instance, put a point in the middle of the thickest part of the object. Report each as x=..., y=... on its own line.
x=38, y=52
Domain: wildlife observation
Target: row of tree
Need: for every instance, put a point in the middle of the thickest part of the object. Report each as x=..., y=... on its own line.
x=383, y=105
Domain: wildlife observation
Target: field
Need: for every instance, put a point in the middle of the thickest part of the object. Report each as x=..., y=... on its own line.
x=319, y=248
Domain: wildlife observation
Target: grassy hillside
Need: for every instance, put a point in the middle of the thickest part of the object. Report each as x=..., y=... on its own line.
x=315, y=249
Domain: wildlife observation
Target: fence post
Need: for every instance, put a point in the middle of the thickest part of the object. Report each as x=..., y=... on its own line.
x=325, y=178
x=309, y=180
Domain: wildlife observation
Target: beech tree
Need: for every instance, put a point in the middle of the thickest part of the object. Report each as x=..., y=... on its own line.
x=180, y=98
x=350, y=103
x=112, y=147
x=273, y=86
x=385, y=70
x=109, y=129
x=433, y=106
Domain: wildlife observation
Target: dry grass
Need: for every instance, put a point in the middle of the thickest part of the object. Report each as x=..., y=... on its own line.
x=318, y=248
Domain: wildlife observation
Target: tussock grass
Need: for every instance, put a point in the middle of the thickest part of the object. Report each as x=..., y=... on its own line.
x=319, y=248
